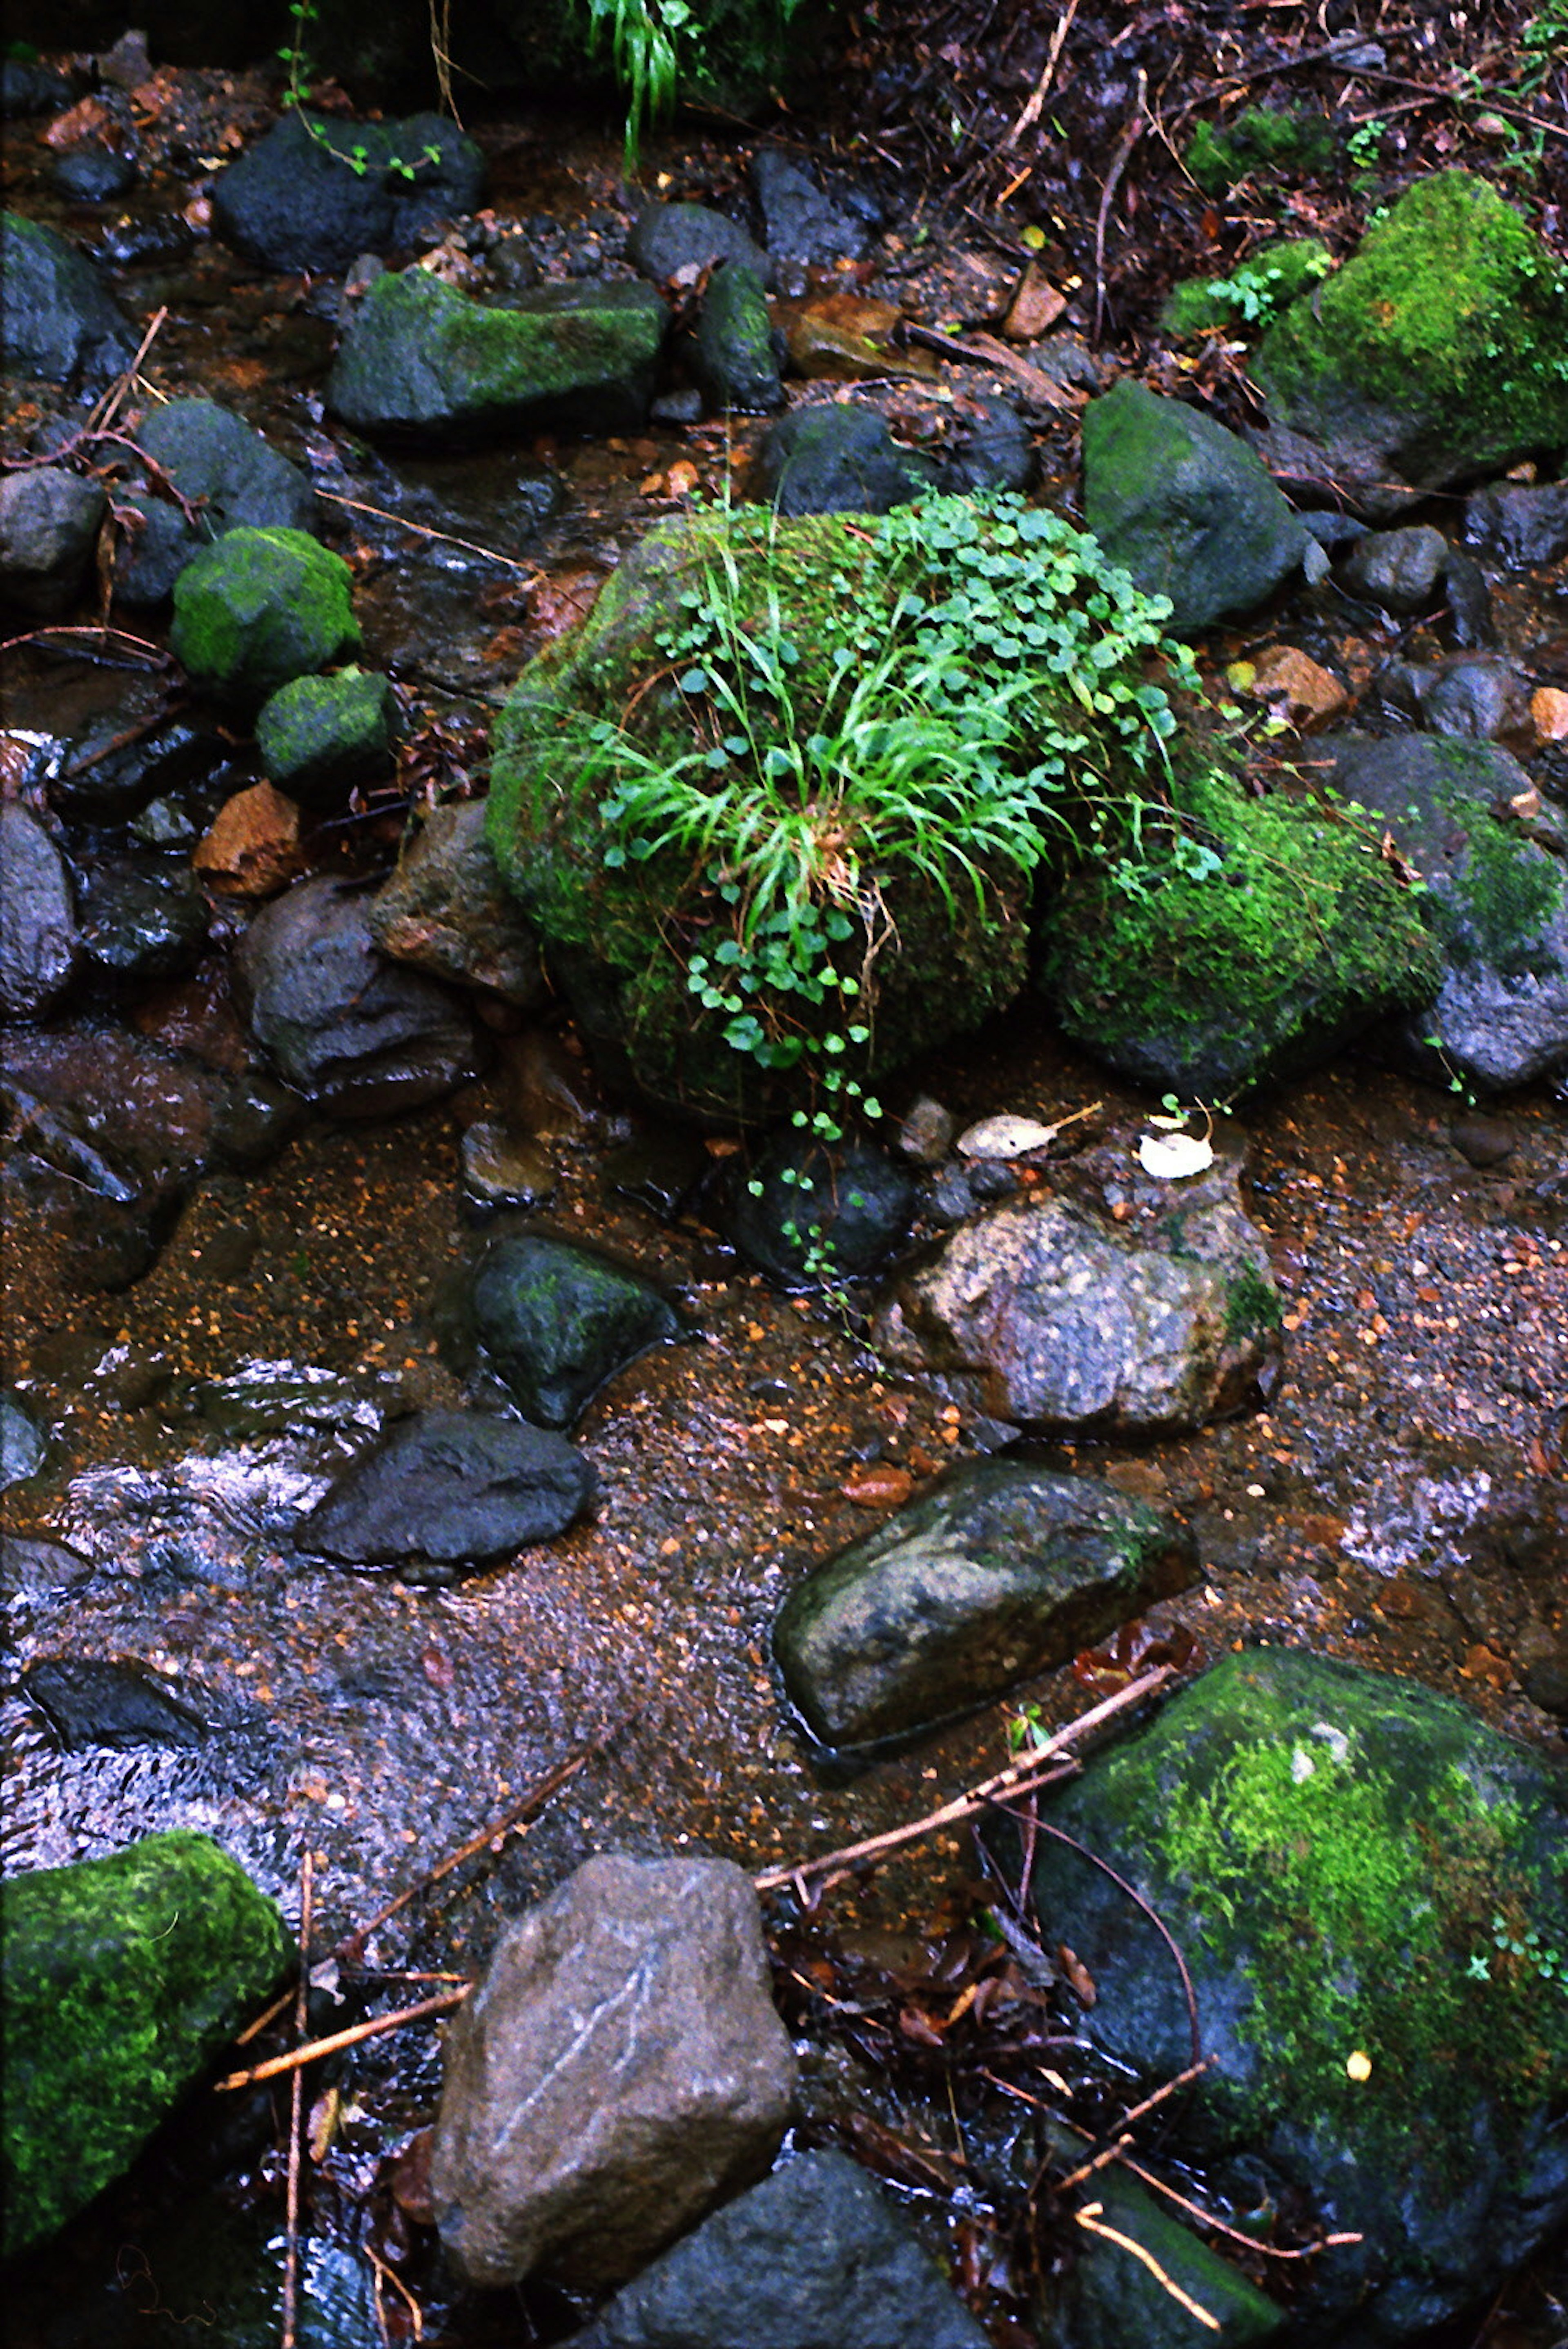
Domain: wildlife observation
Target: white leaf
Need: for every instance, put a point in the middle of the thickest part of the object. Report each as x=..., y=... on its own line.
x=1173, y=1156
x=1005, y=1137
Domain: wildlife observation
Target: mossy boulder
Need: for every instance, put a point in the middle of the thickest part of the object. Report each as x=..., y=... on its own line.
x=1266, y=936
x=421, y=361
x=1439, y=351
x=1184, y=506
x=556, y=1321
x=891, y=707
x=233, y=476
x=123, y=1979
x=1370, y=1889
x=319, y=736
x=1494, y=902
x=259, y=608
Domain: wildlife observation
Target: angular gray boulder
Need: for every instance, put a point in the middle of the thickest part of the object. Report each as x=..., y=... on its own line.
x=556, y=1321
x=38, y=943
x=233, y=477
x=360, y=1036
x=419, y=360
x=62, y=320
x=1050, y=1313
x=1184, y=506
x=1002, y=1571
x=447, y=911
x=1495, y=902
x=48, y=521
x=449, y=1486
x=315, y=192
x=817, y=2257
x=620, y=2070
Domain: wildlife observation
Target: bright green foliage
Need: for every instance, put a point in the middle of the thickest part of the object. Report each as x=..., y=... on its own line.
x=1299, y=145
x=657, y=45
x=851, y=739
x=1254, y=934
x=1451, y=310
x=1503, y=898
x=1254, y=294
x=123, y=1979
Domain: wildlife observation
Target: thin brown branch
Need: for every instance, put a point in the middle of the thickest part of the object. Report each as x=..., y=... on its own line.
x=423, y=530
x=1206, y=2218
x=297, y=2057
x=1037, y=1769
x=1030, y=113
x=1088, y=2217
x=297, y=2109
x=1120, y=161
x=1182, y=2080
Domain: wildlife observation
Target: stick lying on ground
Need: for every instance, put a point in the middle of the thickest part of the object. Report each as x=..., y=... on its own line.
x=1040, y=1767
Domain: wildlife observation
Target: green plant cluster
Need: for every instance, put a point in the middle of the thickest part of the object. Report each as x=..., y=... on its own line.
x=1543, y=47
x=1255, y=292
x=655, y=46
x=1297, y=141
x=937, y=702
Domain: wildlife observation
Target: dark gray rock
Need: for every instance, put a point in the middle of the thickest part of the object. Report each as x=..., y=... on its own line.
x=838, y=459
x=733, y=357
x=805, y=227
x=996, y=451
x=142, y=917
x=226, y=470
x=92, y=173
x=1047, y=1314
x=28, y=86
x=360, y=1036
x=421, y=361
x=295, y=201
x=1002, y=1571
x=668, y=238
x=62, y=320
x=1520, y=524
x=619, y=2070
x=38, y=944
x=1331, y=1847
x=808, y=1213
x=556, y=1321
x=22, y=1442
x=1495, y=902
x=132, y=754
x=257, y=609
x=449, y=1485
x=1184, y=506
x=817, y=2257
x=1111, y=2298
x=1401, y=570
x=447, y=911
x=111, y=1134
x=93, y=1701
x=48, y=521
x=321, y=736
x=32, y=1566
x=1475, y=699
x=1471, y=622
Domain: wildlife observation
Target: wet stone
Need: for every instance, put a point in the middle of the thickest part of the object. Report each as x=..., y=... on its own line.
x=321, y=736
x=95, y=174
x=258, y=608
x=1003, y=1570
x=34, y=1566
x=733, y=358
x=62, y=320
x=637, y=1994
x=48, y=521
x=1520, y=525
x=817, y=2257
x=133, y=754
x=838, y=459
x=22, y=1443
x=452, y=1488
x=90, y=1701
x=295, y=201
x=38, y=943
x=806, y=227
x=360, y=1036
x=996, y=451
x=808, y=1213
x=1399, y=569
x=557, y=1321
x=142, y=917
x=222, y=467
x=667, y=239
x=500, y=1170
x=447, y=911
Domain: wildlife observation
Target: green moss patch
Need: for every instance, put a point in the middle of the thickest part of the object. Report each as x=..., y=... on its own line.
x=123, y=1979
x=1295, y=145
x=259, y=608
x=1251, y=943
x=1453, y=316
x=1252, y=294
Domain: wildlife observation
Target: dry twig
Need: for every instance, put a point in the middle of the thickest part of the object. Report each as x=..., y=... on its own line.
x=297, y=2057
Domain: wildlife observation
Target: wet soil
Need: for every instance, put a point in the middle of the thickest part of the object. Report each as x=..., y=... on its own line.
x=1399, y=1498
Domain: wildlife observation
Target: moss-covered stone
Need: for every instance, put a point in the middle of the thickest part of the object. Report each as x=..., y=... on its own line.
x=1296, y=144
x=733, y=358
x=1370, y=1889
x=1253, y=293
x=618, y=934
x=421, y=360
x=1442, y=343
x=321, y=735
x=1259, y=944
x=123, y=1978
x=259, y=608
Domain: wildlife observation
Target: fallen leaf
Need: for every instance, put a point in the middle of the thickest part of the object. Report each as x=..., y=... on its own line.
x=561, y=601
x=682, y=478
x=253, y=848
x=878, y=1486
x=86, y=120
x=1549, y=709
x=410, y=2179
x=1004, y=1136
x=1034, y=309
x=1079, y=1978
x=1174, y=1157
x=323, y=2117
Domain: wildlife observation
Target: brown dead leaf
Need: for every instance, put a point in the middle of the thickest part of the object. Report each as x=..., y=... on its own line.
x=843, y=337
x=1041, y=387
x=1303, y=692
x=253, y=848
x=411, y=2178
x=683, y=478
x=559, y=601
x=89, y=119
x=878, y=1486
x=1549, y=712
x=1035, y=307
x=1077, y=1975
